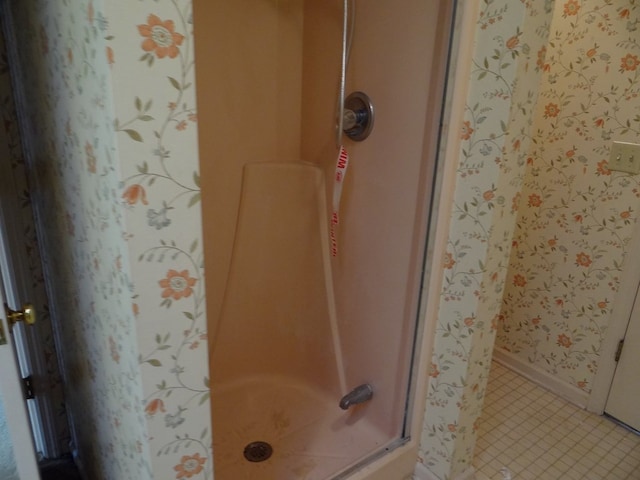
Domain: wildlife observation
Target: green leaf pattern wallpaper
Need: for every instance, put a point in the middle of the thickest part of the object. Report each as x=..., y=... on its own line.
x=494, y=137
x=540, y=225
x=112, y=135
x=537, y=216
x=152, y=65
x=73, y=171
x=576, y=216
x=10, y=143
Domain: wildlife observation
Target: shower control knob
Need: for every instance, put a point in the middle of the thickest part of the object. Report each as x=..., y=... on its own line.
x=350, y=120
x=358, y=116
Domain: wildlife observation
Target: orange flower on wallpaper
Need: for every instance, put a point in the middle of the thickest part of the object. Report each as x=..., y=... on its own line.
x=629, y=63
x=535, y=200
x=551, y=110
x=154, y=406
x=571, y=8
x=512, y=42
x=110, y=56
x=583, y=260
x=515, y=202
x=135, y=193
x=433, y=370
x=564, y=341
x=177, y=285
x=603, y=168
x=189, y=466
x=466, y=130
x=160, y=37
x=488, y=195
x=542, y=53
x=449, y=262
x=625, y=215
x=495, y=321
x=519, y=280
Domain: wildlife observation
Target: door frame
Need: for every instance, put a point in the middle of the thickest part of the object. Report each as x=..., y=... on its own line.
x=18, y=291
x=11, y=394
x=623, y=305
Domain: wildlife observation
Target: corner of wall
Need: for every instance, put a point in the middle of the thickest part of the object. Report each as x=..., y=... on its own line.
x=477, y=254
x=157, y=149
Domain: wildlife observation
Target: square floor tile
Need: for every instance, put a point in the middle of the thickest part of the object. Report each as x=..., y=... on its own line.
x=543, y=437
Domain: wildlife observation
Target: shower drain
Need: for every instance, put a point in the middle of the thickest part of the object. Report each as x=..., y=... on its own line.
x=258, y=451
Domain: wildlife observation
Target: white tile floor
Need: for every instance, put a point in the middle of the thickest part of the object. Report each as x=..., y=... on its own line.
x=537, y=435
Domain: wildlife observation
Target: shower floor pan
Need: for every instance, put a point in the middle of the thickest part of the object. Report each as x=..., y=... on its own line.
x=312, y=438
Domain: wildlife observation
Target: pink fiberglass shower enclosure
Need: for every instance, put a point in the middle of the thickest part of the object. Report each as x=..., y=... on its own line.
x=293, y=329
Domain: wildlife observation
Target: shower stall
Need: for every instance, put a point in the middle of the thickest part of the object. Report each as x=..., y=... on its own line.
x=312, y=354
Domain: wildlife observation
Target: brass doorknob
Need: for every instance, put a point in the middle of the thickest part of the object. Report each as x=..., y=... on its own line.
x=27, y=315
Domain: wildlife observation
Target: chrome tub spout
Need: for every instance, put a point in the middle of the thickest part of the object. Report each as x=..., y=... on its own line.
x=359, y=394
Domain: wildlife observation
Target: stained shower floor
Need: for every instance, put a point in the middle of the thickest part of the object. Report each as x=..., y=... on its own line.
x=312, y=438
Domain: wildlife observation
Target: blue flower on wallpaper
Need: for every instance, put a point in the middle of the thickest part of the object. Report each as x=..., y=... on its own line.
x=175, y=420
x=158, y=218
x=486, y=149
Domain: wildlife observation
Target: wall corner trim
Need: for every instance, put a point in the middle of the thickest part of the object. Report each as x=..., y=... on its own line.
x=542, y=378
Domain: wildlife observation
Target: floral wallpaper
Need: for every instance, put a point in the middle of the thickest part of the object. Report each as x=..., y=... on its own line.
x=576, y=216
x=13, y=154
x=568, y=72
x=114, y=149
x=494, y=139
x=72, y=165
x=150, y=52
x=110, y=118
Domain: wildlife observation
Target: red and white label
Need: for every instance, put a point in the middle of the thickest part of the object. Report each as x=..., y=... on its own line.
x=341, y=171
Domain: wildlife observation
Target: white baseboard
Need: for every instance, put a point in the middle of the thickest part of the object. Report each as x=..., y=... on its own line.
x=423, y=473
x=542, y=378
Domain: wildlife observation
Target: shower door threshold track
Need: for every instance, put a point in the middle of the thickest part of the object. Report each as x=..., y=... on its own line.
x=395, y=444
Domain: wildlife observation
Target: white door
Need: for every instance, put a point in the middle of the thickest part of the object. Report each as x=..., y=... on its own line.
x=16, y=441
x=622, y=402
